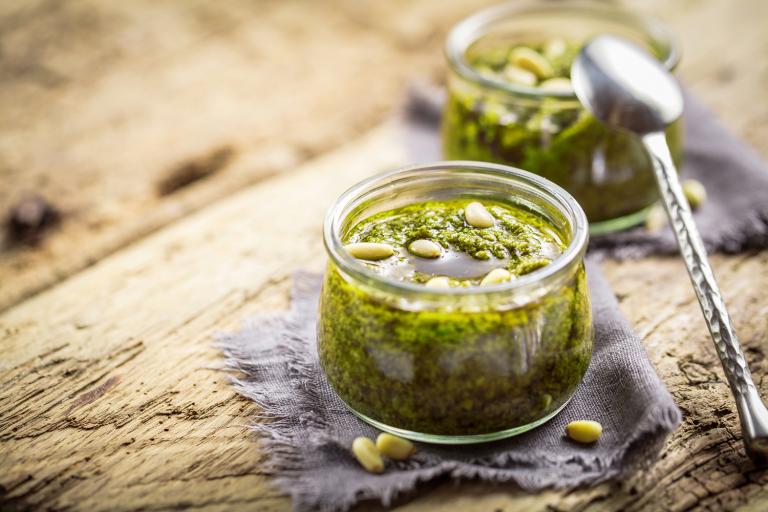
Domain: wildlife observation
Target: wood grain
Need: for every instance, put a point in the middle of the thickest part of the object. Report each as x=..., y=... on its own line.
x=81, y=387
x=109, y=394
x=104, y=102
x=87, y=401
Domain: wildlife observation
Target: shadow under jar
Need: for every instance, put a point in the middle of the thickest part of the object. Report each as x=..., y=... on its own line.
x=491, y=116
x=466, y=363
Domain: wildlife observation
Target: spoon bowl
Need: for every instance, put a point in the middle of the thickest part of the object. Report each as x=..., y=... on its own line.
x=624, y=87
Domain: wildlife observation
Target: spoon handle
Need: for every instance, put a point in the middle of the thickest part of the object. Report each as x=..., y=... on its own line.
x=752, y=411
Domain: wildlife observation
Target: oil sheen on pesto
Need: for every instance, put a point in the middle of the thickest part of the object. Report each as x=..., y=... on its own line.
x=607, y=172
x=444, y=371
x=519, y=242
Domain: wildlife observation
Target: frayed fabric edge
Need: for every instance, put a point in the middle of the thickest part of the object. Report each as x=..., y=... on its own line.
x=583, y=471
x=750, y=234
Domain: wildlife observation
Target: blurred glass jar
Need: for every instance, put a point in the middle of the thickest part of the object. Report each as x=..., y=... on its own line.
x=455, y=365
x=549, y=132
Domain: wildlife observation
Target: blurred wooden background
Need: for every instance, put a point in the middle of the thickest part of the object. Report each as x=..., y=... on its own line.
x=174, y=136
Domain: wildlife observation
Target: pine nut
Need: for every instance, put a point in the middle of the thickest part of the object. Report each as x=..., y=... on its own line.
x=656, y=219
x=367, y=455
x=425, y=248
x=438, y=282
x=394, y=447
x=496, y=276
x=518, y=75
x=477, y=216
x=695, y=193
x=533, y=61
x=369, y=251
x=584, y=431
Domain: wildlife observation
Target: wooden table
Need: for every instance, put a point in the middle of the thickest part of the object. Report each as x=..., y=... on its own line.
x=109, y=394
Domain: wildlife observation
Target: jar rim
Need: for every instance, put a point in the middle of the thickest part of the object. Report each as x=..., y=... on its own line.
x=468, y=31
x=555, y=195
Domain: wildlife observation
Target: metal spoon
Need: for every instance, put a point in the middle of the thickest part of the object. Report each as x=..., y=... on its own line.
x=624, y=87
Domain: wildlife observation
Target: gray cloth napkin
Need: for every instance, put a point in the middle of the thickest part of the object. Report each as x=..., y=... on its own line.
x=307, y=431
x=734, y=219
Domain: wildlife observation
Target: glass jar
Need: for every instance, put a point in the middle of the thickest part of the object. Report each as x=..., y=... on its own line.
x=549, y=132
x=455, y=365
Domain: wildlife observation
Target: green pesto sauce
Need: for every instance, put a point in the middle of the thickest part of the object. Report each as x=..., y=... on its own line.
x=608, y=172
x=445, y=371
x=519, y=241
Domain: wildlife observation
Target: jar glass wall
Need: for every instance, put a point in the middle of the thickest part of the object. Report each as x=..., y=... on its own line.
x=455, y=365
x=548, y=132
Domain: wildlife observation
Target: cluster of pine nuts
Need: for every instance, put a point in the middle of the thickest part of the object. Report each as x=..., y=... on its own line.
x=532, y=68
x=369, y=454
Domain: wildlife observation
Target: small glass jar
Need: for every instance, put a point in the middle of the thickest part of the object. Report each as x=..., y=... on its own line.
x=548, y=132
x=456, y=365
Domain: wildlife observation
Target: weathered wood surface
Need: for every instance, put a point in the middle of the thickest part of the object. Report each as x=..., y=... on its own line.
x=108, y=394
x=104, y=101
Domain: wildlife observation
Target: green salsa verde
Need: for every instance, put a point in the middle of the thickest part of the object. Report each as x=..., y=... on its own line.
x=446, y=370
x=608, y=172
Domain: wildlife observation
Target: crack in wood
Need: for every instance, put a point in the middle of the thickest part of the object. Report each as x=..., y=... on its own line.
x=94, y=394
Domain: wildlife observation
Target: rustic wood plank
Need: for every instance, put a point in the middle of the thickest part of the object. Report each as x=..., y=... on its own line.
x=91, y=367
x=103, y=101
x=104, y=414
